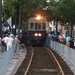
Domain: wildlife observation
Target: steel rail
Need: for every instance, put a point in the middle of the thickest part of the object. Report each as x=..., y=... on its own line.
x=58, y=67
x=30, y=60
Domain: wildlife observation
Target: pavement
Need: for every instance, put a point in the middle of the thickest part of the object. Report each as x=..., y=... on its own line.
x=15, y=62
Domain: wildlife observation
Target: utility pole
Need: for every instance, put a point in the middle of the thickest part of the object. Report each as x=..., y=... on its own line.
x=0, y=17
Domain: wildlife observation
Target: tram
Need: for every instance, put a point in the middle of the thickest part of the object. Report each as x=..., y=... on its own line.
x=36, y=31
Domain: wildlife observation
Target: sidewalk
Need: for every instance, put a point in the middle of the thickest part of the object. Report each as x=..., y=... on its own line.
x=15, y=62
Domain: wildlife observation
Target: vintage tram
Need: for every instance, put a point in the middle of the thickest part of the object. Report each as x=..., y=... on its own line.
x=35, y=33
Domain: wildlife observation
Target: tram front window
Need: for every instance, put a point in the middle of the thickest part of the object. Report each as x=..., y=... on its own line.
x=39, y=26
x=32, y=26
x=35, y=26
x=43, y=26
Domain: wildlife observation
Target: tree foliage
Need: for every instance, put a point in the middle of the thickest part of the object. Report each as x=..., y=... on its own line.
x=64, y=10
x=29, y=8
x=9, y=8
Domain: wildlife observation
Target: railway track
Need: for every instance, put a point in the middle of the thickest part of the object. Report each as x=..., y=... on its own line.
x=63, y=64
x=41, y=61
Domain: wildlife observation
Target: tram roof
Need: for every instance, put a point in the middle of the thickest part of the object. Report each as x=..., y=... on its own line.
x=34, y=19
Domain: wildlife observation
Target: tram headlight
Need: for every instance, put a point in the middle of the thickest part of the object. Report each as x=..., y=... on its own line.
x=36, y=34
x=40, y=34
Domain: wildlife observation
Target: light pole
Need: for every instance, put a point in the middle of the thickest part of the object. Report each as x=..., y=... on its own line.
x=0, y=17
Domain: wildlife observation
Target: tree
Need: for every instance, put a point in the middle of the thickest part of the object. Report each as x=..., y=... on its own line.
x=67, y=12
x=22, y=10
x=64, y=11
x=8, y=8
x=28, y=8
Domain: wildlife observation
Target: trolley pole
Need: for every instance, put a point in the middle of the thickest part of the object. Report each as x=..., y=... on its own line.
x=0, y=17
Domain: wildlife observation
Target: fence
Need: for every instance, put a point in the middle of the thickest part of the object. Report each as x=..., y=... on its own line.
x=6, y=56
x=66, y=51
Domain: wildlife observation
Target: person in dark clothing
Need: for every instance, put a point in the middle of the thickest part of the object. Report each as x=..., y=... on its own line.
x=1, y=46
x=56, y=38
x=71, y=43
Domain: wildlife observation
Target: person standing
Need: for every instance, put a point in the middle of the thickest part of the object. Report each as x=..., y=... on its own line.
x=10, y=42
x=61, y=38
x=12, y=35
x=16, y=44
x=68, y=38
x=1, y=46
x=5, y=40
x=71, y=43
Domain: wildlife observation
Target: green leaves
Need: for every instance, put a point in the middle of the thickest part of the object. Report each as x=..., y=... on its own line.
x=63, y=10
x=28, y=8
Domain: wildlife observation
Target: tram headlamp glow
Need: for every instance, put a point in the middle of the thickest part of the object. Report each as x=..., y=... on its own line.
x=36, y=34
x=40, y=34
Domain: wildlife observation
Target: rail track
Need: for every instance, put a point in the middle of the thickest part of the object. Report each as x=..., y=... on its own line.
x=42, y=61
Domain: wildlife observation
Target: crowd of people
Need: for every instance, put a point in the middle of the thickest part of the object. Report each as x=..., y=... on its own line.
x=70, y=42
x=7, y=40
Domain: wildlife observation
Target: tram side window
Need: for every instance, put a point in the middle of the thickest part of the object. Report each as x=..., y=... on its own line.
x=32, y=26
x=43, y=26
